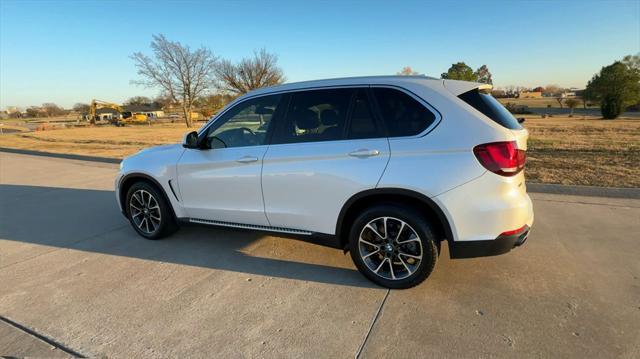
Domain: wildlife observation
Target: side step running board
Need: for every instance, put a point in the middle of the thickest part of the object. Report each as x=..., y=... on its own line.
x=249, y=226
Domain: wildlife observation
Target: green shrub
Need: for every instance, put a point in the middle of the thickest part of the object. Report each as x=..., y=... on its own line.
x=611, y=107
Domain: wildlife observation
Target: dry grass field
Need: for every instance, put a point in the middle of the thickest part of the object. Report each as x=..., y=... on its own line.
x=540, y=102
x=576, y=151
x=532, y=102
x=572, y=151
x=103, y=141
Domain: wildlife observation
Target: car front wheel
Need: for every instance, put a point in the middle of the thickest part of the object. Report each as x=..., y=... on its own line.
x=393, y=246
x=148, y=211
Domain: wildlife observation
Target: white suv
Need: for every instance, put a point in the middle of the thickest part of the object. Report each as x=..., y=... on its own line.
x=384, y=167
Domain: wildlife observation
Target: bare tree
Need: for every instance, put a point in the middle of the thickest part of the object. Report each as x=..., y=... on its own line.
x=571, y=103
x=250, y=73
x=138, y=100
x=33, y=111
x=407, y=71
x=211, y=104
x=51, y=109
x=163, y=101
x=81, y=107
x=181, y=73
x=560, y=99
x=552, y=90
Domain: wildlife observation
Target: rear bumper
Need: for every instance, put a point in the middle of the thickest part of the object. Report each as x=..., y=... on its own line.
x=486, y=207
x=502, y=244
x=480, y=212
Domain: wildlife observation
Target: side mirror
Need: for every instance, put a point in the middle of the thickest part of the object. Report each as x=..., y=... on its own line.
x=190, y=140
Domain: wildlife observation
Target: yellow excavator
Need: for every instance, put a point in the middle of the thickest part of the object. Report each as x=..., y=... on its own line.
x=127, y=116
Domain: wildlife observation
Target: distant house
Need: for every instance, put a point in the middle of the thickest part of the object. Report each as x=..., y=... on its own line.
x=572, y=92
x=107, y=114
x=530, y=94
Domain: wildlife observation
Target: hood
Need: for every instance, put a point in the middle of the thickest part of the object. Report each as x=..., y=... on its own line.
x=161, y=148
x=151, y=157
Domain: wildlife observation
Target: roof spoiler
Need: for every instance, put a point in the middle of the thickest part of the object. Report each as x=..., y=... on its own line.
x=457, y=87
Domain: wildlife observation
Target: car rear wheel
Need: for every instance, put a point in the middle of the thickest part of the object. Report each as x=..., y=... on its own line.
x=393, y=246
x=148, y=211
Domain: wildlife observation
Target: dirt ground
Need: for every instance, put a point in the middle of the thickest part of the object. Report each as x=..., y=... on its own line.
x=84, y=279
x=563, y=150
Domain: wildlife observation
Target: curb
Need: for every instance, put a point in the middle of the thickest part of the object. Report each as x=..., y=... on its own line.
x=62, y=155
x=589, y=191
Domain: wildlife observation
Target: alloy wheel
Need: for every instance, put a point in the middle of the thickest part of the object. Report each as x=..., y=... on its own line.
x=145, y=211
x=390, y=248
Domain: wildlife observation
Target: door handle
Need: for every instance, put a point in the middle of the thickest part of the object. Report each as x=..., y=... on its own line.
x=247, y=159
x=364, y=153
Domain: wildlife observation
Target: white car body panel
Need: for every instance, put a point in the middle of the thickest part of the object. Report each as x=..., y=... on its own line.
x=158, y=163
x=305, y=185
x=223, y=184
x=457, y=87
x=484, y=208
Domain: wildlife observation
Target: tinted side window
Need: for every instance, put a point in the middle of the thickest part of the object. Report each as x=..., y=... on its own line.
x=245, y=124
x=316, y=115
x=491, y=108
x=363, y=123
x=402, y=115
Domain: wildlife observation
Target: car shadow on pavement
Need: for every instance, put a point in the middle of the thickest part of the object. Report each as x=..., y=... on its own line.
x=89, y=220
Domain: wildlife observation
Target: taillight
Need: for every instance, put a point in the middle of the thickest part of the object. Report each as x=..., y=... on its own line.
x=503, y=158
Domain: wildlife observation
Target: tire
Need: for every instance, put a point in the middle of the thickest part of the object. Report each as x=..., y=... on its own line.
x=157, y=221
x=390, y=259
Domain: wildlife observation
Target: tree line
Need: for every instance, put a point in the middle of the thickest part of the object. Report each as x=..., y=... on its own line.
x=615, y=88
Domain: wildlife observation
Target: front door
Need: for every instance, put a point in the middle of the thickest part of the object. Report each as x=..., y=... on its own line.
x=222, y=181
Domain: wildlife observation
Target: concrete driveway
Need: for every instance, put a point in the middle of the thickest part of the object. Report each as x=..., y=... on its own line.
x=76, y=279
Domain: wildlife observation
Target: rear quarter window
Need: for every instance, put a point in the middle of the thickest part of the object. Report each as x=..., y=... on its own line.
x=490, y=107
x=402, y=114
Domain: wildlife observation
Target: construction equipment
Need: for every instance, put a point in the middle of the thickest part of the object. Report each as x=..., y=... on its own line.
x=126, y=116
x=98, y=104
x=134, y=116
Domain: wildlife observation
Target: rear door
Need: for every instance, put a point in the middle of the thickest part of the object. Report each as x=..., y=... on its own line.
x=329, y=147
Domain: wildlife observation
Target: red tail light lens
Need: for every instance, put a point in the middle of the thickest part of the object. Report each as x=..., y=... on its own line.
x=514, y=232
x=503, y=158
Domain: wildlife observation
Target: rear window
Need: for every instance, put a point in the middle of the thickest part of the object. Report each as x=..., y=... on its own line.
x=402, y=115
x=491, y=108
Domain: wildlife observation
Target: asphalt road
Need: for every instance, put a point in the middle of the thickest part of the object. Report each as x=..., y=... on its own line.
x=74, y=273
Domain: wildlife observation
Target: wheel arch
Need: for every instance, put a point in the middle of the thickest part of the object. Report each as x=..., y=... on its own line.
x=430, y=209
x=127, y=181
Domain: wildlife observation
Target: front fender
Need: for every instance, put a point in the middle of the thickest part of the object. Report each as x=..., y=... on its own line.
x=157, y=166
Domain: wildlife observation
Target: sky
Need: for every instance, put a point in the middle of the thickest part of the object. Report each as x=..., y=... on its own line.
x=72, y=51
